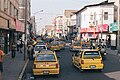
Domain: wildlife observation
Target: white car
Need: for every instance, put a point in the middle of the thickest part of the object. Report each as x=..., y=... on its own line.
x=38, y=48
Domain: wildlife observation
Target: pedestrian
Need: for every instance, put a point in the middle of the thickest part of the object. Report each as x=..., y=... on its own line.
x=21, y=45
x=1, y=63
x=18, y=45
x=13, y=48
x=30, y=52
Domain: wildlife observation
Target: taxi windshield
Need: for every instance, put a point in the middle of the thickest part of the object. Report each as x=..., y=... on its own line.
x=45, y=57
x=91, y=54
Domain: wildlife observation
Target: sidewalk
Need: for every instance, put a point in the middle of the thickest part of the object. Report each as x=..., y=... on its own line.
x=12, y=67
x=110, y=51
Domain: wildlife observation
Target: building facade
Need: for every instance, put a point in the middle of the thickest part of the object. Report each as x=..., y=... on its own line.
x=93, y=21
x=23, y=9
x=67, y=21
x=8, y=15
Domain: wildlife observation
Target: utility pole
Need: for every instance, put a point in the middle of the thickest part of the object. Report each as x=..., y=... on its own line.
x=101, y=27
x=118, y=36
x=25, y=39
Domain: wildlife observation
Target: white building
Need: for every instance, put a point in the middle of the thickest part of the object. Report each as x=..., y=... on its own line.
x=95, y=16
x=58, y=24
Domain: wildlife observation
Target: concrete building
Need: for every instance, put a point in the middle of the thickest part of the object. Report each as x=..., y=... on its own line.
x=115, y=29
x=93, y=21
x=67, y=20
x=8, y=16
x=58, y=24
x=22, y=15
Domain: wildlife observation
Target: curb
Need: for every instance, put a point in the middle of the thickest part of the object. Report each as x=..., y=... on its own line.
x=23, y=69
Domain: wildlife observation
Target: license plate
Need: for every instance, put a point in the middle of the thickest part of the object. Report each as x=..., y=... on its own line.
x=46, y=72
x=55, y=49
x=92, y=67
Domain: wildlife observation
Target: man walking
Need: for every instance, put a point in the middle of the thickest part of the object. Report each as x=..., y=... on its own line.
x=30, y=52
x=1, y=54
x=13, y=48
x=18, y=45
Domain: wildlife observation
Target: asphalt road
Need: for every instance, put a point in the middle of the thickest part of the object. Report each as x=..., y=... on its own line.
x=69, y=72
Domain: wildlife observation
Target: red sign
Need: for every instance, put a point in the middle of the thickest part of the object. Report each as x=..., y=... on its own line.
x=19, y=26
x=103, y=28
x=82, y=30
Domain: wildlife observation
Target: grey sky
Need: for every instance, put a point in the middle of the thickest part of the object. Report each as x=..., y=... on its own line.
x=52, y=8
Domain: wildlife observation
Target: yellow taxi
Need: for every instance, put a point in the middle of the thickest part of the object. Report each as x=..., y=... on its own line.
x=62, y=44
x=88, y=59
x=46, y=63
x=76, y=46
x=54, y=46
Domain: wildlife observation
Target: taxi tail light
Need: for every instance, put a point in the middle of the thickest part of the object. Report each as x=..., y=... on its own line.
x=101, y=61
x=82, y=62
x=57, y=65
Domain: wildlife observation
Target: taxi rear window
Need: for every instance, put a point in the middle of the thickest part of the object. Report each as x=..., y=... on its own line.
x=45, y=57
x=39, y=48
x=91, y=54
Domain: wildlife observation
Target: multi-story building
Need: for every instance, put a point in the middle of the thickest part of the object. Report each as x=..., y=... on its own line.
x=58, y=26
x=8, y=16
x=23, y=9
x=93, y=21
x=115, y=27
x=67, y=21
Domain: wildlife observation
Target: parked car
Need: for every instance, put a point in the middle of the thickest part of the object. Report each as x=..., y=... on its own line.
x=88, y=59
x=46, y=63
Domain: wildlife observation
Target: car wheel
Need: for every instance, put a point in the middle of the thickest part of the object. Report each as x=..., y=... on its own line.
x=81, y=70
x=101, y=70
x=57, y=75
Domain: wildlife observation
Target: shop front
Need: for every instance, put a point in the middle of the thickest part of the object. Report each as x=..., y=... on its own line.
x=103, y=33
x=4, y=30
x=88, y=33
x=19, y=28
x=113, y=29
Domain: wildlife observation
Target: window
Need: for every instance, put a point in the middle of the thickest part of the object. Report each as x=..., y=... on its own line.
x=0, y=5
x=5, y=5
x=46, y=57
x=15, y=12
x=94, y=15
x=91, y=17
x=91, y=54
x=105, y=15
x=10, y=8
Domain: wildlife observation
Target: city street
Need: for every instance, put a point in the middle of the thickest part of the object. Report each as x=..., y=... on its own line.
x=69, y=72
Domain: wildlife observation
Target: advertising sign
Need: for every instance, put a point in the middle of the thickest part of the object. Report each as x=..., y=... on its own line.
x=103, y=28
x=113, y=26
x=82, y=30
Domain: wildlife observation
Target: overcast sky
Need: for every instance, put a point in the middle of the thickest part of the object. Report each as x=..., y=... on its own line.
x=52, y=8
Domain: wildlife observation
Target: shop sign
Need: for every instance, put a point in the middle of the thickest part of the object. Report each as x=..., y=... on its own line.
x=113, y=26
x=103, y=28
x=82, y=30
x=19, y=26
